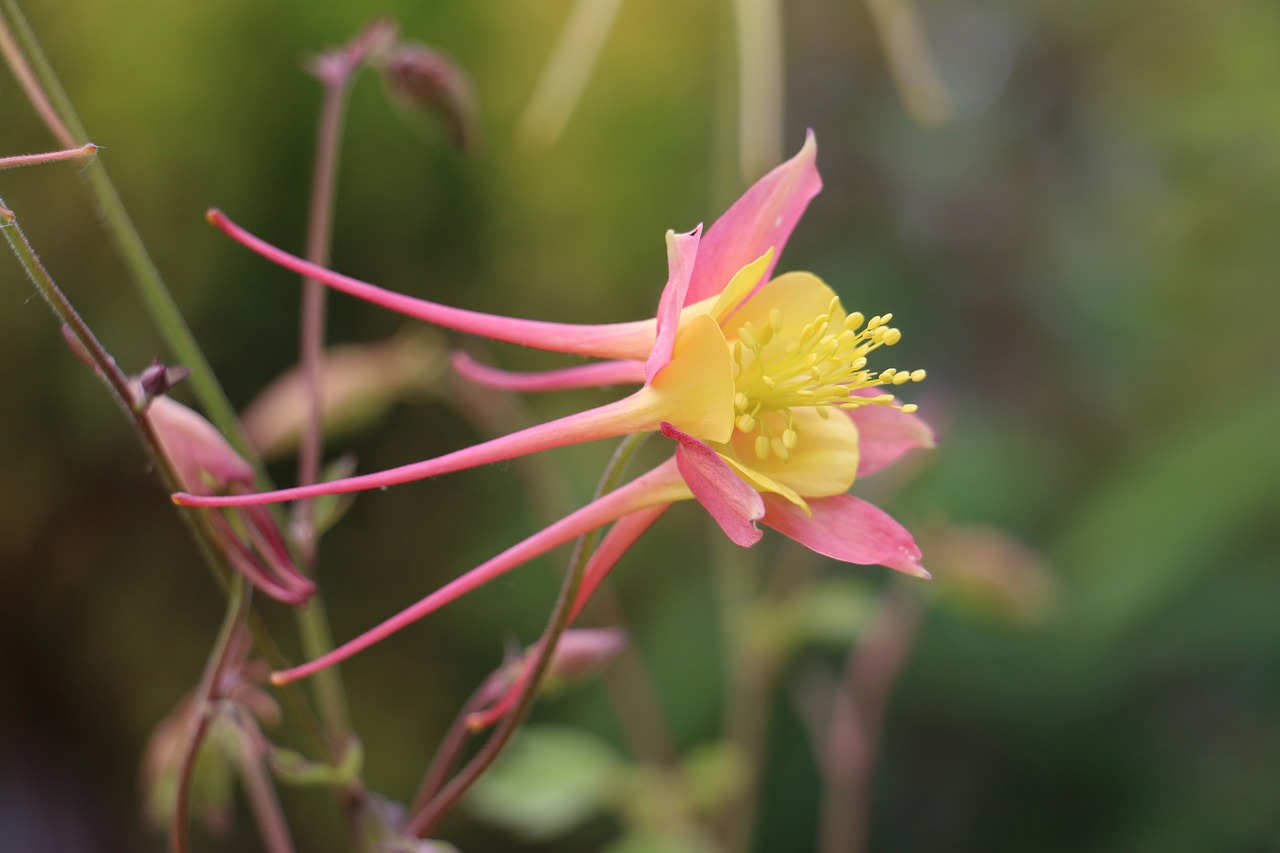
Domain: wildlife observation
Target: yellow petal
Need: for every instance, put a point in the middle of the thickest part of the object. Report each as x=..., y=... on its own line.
x=798, y=297
x=762, y=483
x=695, y=390
x=823, y=463
x=744, y=281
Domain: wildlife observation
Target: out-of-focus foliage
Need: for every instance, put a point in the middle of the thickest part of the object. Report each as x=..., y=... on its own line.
x=1084, y=260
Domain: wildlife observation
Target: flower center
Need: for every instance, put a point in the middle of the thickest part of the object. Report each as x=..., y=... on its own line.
x=778, y=368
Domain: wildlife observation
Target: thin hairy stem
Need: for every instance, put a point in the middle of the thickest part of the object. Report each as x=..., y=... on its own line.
x=848, y=755
x=424, y=821
x=263, y=799
x=31, y=67
x=202, y=703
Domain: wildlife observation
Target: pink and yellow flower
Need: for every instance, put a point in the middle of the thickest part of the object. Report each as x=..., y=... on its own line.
x=762, y=383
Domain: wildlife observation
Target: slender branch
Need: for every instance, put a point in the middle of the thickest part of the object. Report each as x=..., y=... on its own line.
x=27, y=78
x=86, y=150
x=451, y=747
x=312, y=321
x=55, y=108
x=424, y=821
x=751, y=671
x=335, y=70
x=848, y=757
x=112, y=375
x=202, y=703
x=30, y=65
x=37, y=78
x=262, y=795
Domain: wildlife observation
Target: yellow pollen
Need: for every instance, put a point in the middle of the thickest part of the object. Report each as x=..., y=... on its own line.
x=822, y=366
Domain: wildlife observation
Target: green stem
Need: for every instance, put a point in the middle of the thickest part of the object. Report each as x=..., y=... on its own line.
x=317, y=641
x=335, y=70
x=312, y=321
x=272, y=827
x=206, y=696
x=116, y=380
x=32, y=68
x=749, y=673
x=24, y=55
x=423, y=822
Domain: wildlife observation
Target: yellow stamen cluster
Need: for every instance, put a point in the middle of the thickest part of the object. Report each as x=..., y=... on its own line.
x=777, y=369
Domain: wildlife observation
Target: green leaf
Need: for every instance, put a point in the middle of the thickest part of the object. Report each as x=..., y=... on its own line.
x=550, y=780
x=295, y=769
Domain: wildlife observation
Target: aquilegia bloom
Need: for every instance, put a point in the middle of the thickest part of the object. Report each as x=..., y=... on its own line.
x=762, y=384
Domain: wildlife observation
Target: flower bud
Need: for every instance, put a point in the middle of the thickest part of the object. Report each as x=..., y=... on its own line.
x=580, y=654
x=358, y=384
x=427, y=80
x=247, y=537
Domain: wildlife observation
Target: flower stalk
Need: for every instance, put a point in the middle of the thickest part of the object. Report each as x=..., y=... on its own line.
x=30, y=66
x=424, y=821
x=220, y=659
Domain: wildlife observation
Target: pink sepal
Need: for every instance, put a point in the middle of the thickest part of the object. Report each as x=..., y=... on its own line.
x=848, y=529
x=605, y=421
x=734, y=505
x=762, y=219
x=682, y=252
x=659, y=487
x=615, y=544
x=204, y=461
x=614, y=340
x=596, y=375
x=885, y=434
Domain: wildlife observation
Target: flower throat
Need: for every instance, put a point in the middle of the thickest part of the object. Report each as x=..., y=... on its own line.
x=822, y=365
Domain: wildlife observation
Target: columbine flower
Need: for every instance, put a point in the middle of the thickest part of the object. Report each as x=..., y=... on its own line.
x=764, y=386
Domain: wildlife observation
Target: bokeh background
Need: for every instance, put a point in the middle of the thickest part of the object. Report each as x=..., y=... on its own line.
x=1084, y=258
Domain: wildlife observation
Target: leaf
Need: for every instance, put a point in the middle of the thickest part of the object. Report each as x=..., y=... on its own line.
x=292, y=767
x=550, y=780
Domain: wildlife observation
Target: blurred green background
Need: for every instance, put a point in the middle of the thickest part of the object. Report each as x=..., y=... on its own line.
x=1084, y=259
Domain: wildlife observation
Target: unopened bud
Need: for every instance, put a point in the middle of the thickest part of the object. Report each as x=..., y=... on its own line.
x=359, y=383
x=582, y=652
x=429, y=81
x=157, y=379
x=205, y=463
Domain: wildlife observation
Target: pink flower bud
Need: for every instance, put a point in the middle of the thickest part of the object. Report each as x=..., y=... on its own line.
x=204, y=462
x=580, y=654
x=358, y=384
x=427, y=80
x=247, y=537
